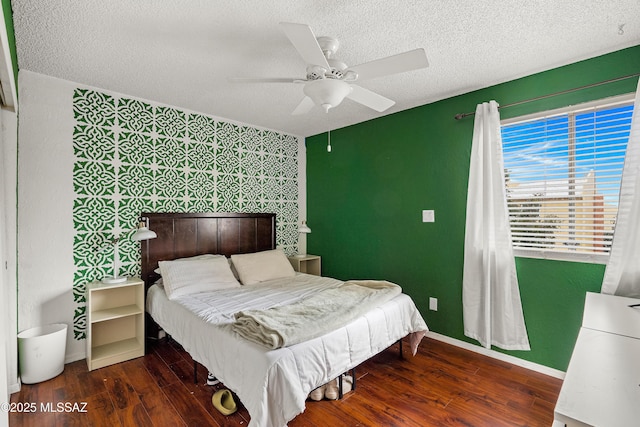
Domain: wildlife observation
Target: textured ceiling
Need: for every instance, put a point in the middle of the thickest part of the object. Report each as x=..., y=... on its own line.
x=180, y=52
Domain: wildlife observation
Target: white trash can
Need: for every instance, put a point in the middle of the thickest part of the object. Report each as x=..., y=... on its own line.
x=41, y=352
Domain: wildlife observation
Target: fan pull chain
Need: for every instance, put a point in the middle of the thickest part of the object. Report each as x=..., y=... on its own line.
x=329, y=142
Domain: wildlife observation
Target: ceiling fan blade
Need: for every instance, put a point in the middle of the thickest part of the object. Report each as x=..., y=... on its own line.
x=407, y=61
x=305, y=42
x=304, y=107
x=263, y=80
x=370, y=99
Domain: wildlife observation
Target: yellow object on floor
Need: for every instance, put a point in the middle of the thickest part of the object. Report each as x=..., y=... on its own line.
x=223, y=401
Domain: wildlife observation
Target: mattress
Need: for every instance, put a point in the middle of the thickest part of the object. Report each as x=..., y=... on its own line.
x=273, y=384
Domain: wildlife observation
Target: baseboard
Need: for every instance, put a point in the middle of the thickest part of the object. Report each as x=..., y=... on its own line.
x=497, y=355
x=73, y=357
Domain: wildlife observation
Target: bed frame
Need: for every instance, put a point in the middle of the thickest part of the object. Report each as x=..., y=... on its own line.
x=188, y=234
x=183, y=235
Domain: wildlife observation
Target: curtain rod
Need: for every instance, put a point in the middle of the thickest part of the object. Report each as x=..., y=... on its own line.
x=460, y=116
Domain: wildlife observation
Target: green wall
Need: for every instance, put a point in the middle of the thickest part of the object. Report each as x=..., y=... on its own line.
x=364, y=202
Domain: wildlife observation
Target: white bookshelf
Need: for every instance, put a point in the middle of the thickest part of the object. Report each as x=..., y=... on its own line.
x=115, y=322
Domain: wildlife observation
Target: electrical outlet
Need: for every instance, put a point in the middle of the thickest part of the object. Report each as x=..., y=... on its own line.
x=433, y=304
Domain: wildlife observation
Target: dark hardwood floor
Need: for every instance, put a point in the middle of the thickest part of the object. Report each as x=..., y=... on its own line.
x=442, y=386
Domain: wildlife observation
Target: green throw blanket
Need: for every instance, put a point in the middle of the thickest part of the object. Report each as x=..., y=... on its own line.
x=315, y=316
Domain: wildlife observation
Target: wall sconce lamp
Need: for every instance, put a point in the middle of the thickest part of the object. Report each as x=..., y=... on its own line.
x=142, y=233
x=303, y=229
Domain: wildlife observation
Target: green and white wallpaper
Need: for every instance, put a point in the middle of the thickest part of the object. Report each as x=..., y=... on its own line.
x=132, y=156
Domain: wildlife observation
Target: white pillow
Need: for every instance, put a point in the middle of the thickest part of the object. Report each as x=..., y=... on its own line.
x=260, y=266
x=191, y=258
x=183, y=277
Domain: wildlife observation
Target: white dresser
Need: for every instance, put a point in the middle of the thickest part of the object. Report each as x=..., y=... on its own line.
x=602, y=384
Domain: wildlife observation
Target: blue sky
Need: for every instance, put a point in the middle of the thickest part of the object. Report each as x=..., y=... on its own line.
x=600, y=142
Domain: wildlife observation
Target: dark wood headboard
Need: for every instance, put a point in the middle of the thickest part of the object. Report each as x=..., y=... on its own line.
x=187, y=234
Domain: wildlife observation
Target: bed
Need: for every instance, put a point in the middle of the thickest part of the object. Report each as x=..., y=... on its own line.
x=272, y=382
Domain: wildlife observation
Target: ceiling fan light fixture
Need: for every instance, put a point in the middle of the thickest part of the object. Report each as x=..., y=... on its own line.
x=328, y=93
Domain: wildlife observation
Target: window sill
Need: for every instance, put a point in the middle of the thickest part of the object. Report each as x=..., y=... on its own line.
x=562, y=256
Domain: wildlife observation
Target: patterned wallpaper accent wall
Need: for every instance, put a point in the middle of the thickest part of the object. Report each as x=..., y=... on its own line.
x=132, y=156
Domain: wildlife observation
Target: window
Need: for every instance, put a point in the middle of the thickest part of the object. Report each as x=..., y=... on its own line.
x=562, y=174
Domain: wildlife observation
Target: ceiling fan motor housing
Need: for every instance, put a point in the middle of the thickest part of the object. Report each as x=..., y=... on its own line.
x=329, y=46
x=316, y=72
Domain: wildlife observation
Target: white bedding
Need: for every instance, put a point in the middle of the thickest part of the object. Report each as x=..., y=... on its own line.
x=273, y=384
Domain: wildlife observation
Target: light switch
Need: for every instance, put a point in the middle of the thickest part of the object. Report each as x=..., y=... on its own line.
x=428, y=216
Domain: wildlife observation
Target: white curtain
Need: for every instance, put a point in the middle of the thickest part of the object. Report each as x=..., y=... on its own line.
x=622, y=275
x=491, y=299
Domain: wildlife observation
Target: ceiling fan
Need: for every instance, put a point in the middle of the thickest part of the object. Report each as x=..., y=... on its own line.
x=329, y=81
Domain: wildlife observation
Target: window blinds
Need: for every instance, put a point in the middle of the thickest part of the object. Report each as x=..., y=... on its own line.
x=562, y=177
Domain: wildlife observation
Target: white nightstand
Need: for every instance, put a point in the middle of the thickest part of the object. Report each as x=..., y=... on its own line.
x=310, y=264
x=115, y=322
